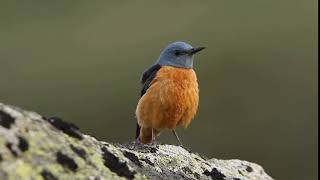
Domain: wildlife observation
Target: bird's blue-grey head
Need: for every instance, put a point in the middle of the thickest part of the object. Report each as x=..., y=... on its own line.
x=178, y=54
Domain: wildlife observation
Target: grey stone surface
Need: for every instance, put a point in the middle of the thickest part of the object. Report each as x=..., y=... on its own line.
x=35, y=147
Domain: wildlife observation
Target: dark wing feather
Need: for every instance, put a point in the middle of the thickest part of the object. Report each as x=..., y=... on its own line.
x=148, y=76
x=146, y=80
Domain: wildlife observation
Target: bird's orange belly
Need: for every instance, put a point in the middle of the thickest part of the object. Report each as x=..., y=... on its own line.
x=171, y=100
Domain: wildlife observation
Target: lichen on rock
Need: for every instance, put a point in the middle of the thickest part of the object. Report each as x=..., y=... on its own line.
x=35, y=147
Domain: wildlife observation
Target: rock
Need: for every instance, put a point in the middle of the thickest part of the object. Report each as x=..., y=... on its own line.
x=35, y=147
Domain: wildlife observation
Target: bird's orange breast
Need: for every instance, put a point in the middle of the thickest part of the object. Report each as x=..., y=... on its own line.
x=171, y=100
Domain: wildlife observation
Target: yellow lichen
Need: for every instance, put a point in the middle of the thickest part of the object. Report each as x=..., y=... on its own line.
x=23, y=169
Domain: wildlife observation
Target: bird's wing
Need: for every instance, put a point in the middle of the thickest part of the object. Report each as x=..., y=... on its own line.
x=146, y=79
x=148, y=76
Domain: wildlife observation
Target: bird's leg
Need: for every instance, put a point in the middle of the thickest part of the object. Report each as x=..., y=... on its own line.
x=152, y=135
x=177, y=137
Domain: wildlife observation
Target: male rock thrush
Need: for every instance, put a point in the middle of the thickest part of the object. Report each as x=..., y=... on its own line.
x=170, y=94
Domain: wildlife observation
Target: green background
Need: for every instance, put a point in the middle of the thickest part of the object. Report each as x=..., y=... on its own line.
x=82, y=60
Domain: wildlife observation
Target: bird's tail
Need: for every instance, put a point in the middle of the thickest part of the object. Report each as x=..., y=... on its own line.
x=138, y=131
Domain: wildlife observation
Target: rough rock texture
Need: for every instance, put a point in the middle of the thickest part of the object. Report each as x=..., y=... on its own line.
x=35, y=147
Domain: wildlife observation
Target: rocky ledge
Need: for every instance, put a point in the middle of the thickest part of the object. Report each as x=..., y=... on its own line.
x=35, y=147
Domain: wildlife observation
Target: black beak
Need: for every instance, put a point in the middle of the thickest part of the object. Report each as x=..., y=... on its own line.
x=196, y=50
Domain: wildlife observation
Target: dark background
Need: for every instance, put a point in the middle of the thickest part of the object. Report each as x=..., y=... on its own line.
x=81, y=60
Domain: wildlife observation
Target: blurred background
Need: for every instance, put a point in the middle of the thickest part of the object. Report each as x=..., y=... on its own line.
x=82, y=60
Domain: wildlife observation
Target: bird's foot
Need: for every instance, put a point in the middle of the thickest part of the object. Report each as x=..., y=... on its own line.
x=137, y=141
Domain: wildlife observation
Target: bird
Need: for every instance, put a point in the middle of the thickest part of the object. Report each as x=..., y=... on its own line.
x=170, y=95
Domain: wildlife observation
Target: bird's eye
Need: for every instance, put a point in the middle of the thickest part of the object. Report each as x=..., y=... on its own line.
x=177, y=53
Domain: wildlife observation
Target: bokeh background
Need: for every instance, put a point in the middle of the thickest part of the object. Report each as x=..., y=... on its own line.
x=82, y=60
